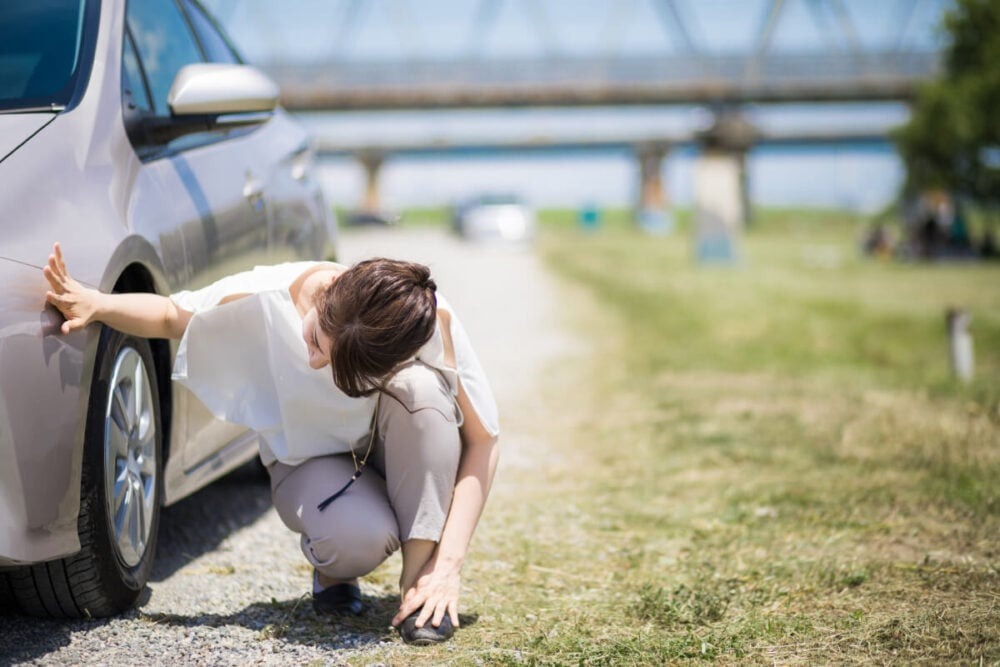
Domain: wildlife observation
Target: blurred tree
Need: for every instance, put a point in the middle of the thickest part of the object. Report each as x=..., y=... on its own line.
x=952, y=140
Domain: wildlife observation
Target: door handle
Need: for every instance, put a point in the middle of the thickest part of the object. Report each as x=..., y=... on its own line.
x=253, y=190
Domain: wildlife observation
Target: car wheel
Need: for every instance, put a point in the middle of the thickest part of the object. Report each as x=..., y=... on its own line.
x=120, y=494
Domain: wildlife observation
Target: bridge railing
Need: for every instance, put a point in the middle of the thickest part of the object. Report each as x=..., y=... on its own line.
x=635, y=79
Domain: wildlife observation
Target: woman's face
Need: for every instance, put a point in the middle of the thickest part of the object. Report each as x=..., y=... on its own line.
x=317, y=342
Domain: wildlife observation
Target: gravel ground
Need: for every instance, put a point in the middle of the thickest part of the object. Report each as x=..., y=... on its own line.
x=229, y=585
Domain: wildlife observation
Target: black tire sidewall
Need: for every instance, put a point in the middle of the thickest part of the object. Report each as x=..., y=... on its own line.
x=120, y=583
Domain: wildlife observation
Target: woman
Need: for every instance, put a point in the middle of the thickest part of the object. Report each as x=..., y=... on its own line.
x=406, y=397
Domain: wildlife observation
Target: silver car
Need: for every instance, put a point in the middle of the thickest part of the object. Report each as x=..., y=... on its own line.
x=494, y=217
x=133, y=134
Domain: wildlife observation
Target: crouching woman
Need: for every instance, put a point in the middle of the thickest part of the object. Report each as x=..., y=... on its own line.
x=377, y=424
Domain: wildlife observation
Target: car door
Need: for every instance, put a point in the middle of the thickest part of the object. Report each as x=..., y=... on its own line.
x=300, y=225
x=212, y=168
x=198, y=194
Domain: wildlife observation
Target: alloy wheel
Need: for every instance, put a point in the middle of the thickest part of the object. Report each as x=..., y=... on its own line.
x=130, y=456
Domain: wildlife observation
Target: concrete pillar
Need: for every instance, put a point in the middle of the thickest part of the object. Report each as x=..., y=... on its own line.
x=372, y=163
x=719, y=204
x=745, y=186
x=721, y=196
x=653, y=207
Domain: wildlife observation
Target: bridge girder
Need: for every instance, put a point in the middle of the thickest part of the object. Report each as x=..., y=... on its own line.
x=579, y=82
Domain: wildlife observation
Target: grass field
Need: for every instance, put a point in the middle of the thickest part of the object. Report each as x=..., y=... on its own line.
x=761, y=463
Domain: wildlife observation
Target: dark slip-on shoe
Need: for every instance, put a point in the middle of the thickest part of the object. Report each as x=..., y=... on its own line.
x=426, y=635
x=339, y=599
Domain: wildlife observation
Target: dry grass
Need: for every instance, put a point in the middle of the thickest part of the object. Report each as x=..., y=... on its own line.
x=759, y=465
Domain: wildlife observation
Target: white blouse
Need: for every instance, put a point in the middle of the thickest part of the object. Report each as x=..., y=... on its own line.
x=247, y=362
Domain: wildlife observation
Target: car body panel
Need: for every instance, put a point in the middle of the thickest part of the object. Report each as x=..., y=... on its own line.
x=39, y=373
x=17, y=128
x=58, y=190
x=183, y=219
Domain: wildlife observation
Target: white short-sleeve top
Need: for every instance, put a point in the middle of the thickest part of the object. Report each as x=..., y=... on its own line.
x=247, y=362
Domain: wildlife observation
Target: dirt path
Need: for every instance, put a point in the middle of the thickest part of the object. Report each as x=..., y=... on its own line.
x=229, y=580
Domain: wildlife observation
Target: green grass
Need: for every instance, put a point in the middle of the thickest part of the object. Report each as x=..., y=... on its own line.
x=429, y=216
x=765, y=463
x=799, y=475
x=801, y=303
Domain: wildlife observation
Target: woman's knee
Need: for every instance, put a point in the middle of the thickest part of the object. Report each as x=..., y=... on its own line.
x=419, y=417
x=350, y=555
x=348, y=537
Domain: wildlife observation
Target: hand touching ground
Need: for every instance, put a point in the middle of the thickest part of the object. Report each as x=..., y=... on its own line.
x=434, y=594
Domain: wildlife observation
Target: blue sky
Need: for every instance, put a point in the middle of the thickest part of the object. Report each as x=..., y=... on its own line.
x=309, y=30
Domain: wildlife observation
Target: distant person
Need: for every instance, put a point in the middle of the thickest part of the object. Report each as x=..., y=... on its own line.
x=877, y=242
x=930, y=240
x=959, y=241
x=342, y=371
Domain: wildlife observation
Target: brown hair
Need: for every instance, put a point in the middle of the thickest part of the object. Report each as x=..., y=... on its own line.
x=378, y=313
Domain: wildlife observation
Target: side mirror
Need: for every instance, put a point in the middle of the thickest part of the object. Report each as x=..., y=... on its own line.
x=214, y=89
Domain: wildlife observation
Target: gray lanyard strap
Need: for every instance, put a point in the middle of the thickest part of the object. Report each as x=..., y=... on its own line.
x=358, y=467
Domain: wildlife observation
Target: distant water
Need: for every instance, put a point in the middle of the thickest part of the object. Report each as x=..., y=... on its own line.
x=858, y=177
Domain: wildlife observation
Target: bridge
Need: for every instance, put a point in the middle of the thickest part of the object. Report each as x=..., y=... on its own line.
x=462, y=54
x=624, y=142
x=579, y=81
x=690, y=55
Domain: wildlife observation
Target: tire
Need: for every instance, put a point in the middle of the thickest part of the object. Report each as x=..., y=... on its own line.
x=120, y=495
x=7, y=602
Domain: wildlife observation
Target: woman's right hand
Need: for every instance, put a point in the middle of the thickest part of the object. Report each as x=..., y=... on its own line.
x=77, y=303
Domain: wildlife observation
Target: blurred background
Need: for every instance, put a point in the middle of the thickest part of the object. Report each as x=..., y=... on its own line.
x=772, y=224
x=773, y=228
x=785, y=135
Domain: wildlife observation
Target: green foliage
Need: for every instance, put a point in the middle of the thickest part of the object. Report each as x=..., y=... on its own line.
x=954, y=125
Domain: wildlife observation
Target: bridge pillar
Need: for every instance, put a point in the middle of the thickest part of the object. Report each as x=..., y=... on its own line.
x=653, y=206
x=721, y=196
x=372, y=162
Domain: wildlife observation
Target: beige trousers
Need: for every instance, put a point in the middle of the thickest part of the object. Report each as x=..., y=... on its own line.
x=405, y=490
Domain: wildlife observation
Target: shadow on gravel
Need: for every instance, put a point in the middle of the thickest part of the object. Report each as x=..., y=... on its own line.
x=24, y=639
x=188, y=529
x=294, y=621
x=199, y=523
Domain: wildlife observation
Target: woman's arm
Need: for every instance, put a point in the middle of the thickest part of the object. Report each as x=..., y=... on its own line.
x=476, y=468
x=138, y=314
x=437, y=586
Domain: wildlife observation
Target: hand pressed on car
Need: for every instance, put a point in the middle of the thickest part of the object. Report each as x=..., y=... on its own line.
x=138, y=314
x=78, y=304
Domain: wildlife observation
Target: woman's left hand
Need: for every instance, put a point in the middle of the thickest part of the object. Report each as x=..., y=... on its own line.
x=435, y=594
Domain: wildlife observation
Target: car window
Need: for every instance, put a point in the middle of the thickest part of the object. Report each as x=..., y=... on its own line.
x=217, y=48
x=133, y=82
x=165, y=44
x=39, y=51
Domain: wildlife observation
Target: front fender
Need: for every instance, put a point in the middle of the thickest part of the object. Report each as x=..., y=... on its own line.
x=45, y=381
x=44, y=386
x=135, y=251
